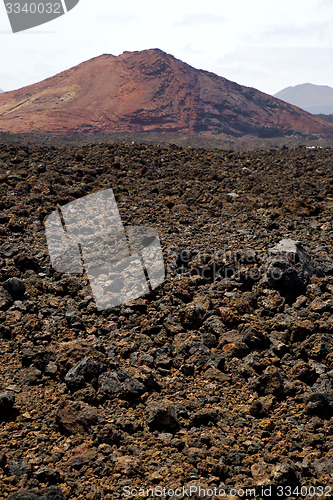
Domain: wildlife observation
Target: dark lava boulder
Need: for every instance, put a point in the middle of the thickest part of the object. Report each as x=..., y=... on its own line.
x=162, y=417
x=6, y=404
x=289, y=267
x=15, y=287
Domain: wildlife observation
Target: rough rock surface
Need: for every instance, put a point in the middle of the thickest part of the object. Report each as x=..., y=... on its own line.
x=290, y=267
x=150, y=91
x=218, y=377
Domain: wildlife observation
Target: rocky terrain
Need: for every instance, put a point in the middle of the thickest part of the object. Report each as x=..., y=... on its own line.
x=328, y=118
x=220, y=378
x=151, y=91
x=199, y=141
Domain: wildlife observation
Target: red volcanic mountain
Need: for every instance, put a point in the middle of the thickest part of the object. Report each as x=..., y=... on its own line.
x=150, y=91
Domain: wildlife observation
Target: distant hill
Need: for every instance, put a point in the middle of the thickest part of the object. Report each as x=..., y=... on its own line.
x=150, y=91
x=1, y=91
x=327, y=118
x=316, y=99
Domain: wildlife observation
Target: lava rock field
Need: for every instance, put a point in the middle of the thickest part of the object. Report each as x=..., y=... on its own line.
x=221, y=377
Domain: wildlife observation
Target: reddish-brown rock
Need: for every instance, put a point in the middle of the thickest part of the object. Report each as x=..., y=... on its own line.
x=150, y=91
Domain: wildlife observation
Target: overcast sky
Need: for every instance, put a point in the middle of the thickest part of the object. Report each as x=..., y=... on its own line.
x=266, y=44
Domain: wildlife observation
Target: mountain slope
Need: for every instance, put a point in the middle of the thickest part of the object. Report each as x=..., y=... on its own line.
x=315, y=99
x=326, y=118
x=150, y=91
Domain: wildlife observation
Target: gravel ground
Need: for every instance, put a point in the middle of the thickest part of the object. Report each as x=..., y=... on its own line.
x=222, y=377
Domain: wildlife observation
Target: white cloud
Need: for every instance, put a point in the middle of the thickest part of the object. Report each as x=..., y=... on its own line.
x=116, y=18
x=293, y=35
x=258, y=43
x=272, y=69
x=200, y=19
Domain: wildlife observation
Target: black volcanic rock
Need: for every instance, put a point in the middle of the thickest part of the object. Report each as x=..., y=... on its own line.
x=289, y=267
x=14, y=286
x=214, y=376
x=6, y=404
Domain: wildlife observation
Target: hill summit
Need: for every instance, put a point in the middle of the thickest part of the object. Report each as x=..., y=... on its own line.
x=150, y=91
x=313, y=98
